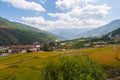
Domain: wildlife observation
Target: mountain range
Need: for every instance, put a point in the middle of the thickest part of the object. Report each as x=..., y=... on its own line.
x=13, y=33
x=103, y=30
x=67, y=34
x=87, y=32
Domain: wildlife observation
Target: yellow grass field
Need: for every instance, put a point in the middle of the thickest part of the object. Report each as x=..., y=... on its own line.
x=107, y=56
x=25, y=66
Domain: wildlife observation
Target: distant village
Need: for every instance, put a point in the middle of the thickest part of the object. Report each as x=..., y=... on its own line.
x=21, y=48
x=52, y=46
x=36, y=46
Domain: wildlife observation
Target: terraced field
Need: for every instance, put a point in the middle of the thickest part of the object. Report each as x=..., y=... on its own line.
x=27, y=66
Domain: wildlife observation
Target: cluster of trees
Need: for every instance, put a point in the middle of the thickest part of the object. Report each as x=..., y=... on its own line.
x=72, y=68
x=49, y=46
x=90, y=42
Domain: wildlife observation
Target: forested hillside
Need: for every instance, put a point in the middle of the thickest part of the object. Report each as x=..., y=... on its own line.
x=17, y=33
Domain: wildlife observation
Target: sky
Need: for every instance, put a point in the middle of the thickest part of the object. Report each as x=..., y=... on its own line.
x=55, y=14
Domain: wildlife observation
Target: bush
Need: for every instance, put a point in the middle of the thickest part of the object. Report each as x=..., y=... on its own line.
x=3, y=51
x=73, y=68
x=29, y=51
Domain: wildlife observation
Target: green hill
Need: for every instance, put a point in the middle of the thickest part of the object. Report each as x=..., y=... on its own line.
x=115, y=33
x=13, y=33
x=114, y=36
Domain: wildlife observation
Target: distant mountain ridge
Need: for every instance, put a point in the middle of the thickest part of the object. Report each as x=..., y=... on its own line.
x=69, y=33
x=103, y=30
x=13, y=33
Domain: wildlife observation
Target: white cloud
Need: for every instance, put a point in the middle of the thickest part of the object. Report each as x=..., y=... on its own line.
x=77, y=16
x=24, y=4
x=69, y=4
x=90, y=11
x=38, y=22
x=65, y=22
x=43, y=1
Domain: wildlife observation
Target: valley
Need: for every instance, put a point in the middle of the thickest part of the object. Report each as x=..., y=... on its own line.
x=59, y=40
x=26, y=52
x=69, y=34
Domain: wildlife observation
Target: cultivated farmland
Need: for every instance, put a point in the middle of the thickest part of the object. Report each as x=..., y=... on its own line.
x=28, y=66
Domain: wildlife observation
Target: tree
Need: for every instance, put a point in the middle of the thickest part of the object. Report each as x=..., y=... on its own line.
x=49, y=46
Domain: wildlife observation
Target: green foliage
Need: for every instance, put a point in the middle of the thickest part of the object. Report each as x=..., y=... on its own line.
x=74, y=44
x=29, y=51
x=48, y=46
x=3, y=51
x=73, y=68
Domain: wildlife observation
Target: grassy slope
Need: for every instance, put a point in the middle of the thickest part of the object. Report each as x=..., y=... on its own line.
x=27, y=66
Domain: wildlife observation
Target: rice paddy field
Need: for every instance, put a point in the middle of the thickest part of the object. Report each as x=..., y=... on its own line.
x=27, y=66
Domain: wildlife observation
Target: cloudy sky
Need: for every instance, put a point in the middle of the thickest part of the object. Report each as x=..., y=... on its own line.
x=54, y=14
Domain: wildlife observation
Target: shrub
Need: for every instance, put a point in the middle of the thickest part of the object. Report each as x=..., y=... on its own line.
x=29, y=51
x=72, y=68
x=3, y=51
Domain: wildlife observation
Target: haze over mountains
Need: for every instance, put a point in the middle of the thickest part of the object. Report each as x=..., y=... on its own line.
x=69, y=33
x=102, y=30
x=17, y=33
x=87, y=32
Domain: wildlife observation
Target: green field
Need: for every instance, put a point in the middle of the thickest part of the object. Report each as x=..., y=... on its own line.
x=27, y=66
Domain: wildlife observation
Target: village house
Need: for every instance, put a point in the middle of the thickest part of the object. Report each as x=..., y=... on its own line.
x=36, y=46
x=4, y=47
x=62, y=44
x=87, y=45
x=99, y=43
x=24, y=48
x=17, y=49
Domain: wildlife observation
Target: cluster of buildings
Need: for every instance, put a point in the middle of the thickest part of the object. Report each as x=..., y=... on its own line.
x=22, y=48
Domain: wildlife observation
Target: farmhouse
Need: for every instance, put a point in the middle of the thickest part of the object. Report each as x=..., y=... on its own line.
x=4, y=47
x=99, y=43
x=86, y=45
x=37, y=45
x=24, y=48
x=17, y=49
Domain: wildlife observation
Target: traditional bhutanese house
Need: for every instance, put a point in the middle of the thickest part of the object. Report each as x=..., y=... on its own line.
x=36, y=46
x=86, y=45
x=4, y=47
x=62, y=44
x=15, y=49
x=99, y=44
x=24, y=48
